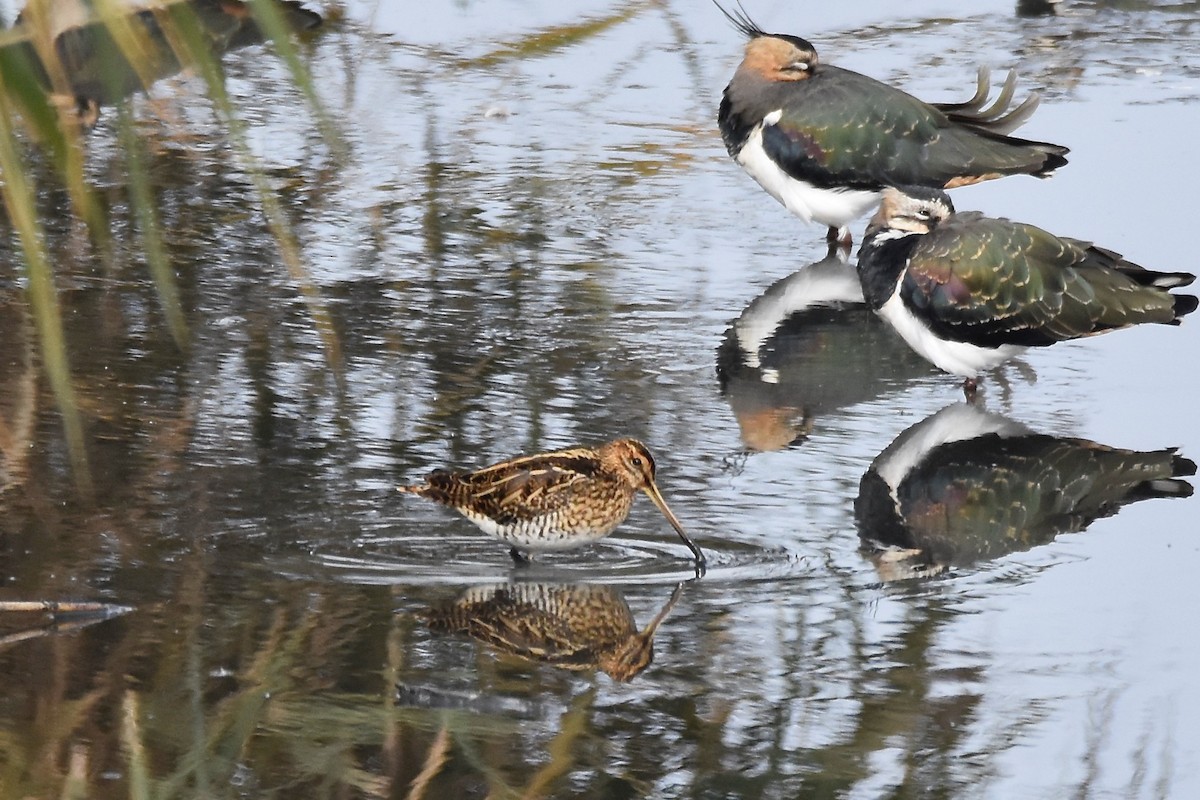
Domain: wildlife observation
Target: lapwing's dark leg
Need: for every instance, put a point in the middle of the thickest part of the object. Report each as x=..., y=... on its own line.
x=835, y=237
x=970, y=389
x=517, y=558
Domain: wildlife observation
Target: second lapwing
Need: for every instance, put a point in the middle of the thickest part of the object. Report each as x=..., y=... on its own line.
x=968, y=292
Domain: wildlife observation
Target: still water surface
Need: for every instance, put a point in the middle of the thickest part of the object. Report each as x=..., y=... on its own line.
x=534, y=240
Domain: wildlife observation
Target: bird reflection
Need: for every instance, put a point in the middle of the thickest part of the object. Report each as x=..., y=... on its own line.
x=966, y=485
x=71, y=49
x=571, y=626
x=807, y=346
x=1037, y=8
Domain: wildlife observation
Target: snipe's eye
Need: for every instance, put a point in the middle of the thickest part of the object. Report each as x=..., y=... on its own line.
x=636, y=461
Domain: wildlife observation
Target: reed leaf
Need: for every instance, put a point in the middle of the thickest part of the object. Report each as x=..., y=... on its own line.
x=187, y=39
x=30, y=68
x=270, y=20
x=549, y=40
x=134, y=747
x=43, y=299
x=144, y=208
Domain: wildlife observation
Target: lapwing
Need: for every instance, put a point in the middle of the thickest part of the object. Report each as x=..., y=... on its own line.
x=969, y=292
x=824, y=141
x=92, y=68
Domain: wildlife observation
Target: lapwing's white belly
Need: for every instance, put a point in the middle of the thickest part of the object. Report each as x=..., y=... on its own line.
x=836, y=208
x=958, y=358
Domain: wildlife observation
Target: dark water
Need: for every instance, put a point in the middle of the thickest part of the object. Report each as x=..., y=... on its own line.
x=534, y=238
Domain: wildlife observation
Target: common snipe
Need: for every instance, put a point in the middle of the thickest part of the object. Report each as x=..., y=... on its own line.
x=554, y=501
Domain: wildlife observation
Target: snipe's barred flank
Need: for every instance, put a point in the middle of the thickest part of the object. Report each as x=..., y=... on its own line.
x=554, y=501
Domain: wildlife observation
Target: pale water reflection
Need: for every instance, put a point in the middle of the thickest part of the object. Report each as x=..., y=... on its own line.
x=533, y=239
x=806, y=347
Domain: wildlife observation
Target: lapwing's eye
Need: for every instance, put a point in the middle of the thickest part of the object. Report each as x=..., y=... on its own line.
x=797, y=66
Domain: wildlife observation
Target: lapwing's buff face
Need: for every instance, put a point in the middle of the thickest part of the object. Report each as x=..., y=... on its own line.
x=779, y=58
x=916, y=211
x=771, y=56
x=631, y=460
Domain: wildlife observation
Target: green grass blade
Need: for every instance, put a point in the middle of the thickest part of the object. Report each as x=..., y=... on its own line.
x=270, y=19
x=134, y=747
x=550, y=40
x=43, y=299
x=143, y=202
x=188, y=41
x=25, y=81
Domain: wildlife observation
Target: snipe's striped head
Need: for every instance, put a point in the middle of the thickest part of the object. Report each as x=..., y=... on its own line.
x=630, y=459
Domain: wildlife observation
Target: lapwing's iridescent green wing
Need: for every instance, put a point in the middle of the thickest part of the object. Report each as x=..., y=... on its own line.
x=991, y=281
x=840, y=128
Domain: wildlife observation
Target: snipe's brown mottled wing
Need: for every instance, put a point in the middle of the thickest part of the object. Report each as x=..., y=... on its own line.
x=512, y=491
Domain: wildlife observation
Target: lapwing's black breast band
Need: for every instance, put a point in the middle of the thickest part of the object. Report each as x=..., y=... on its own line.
x=880, y=264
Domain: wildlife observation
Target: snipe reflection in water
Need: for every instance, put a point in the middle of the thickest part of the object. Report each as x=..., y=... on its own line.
x=73, y=52
x=574, y=626
x=807, y=346
x=967, y=485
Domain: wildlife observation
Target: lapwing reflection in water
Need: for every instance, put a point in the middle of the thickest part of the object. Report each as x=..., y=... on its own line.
x=966, y=485
x=72, y=50
x=571, y=626
x=805, y=347
x=1037, y=8
x=560, y=500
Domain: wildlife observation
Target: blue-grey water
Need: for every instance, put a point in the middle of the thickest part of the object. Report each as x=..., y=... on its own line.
x=532, y=238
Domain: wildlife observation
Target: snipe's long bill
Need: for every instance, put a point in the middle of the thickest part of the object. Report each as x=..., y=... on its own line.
x=554, y=501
